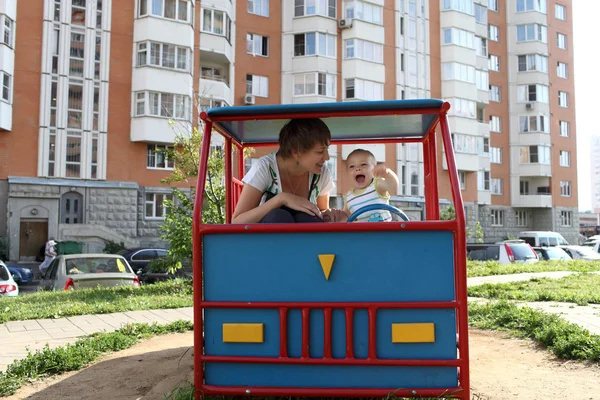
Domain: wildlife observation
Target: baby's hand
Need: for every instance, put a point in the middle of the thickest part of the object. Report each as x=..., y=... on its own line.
x=380, y=171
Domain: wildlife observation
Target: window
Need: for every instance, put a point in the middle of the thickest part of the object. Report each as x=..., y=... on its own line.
x=561, y=70
x=480, y=14
x=458, y=71
x=157, y=157
x=483, y=180
x=566, y=218
x=527, y=93
x=560, y=12
x=465, y=6
x=314, y=83
x=76, y=54
x=564, y=128
x=561, y=41
x=257, y=45
x=497, y=184
x=8, y=31
x=481, y=46
x=521, y=218
x=524, y=187
x=167, y=105
x=325, y=8
x=212, y=73
x=162, y=55
x=458, y=37
x=363, y=90
x=463, y=108
x=207, y=104
x=171, y=9
x=495, y=93
x=362, y=49
x=314, y=43
x=534, y=123
x=493, y=33
x=493, y=5
x=73, y=155
x=495, y=123
x=533, y=62
x=257, y=85
x=531, y=5
x=563, y=99
x=464, y=143
x=6, y=83
x=495, y=155
x=565, y=158
x=216, y=22
x=259, y=7
x=154, y=205
x=462, y=177
x=482, y=79
x=483, y=146
x=494, y=63
x=414, y=180
x=565, y=188
x=531, y=32
x=364, y=11
x=535, y=155
x=497, y=217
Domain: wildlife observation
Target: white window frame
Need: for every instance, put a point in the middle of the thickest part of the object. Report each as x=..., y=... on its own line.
x=564, y=128
x=565, y=188
x=149, y=7
x=153, y=203
x=563, y=99
x=497, y=186
x=208, y=103
x=495, y=93
x=321, y=40
x=257, y=45
x=521, y=218
x=462, y=178
x=493, y=33
x=358, y=49
x=211, y=30
x=532, y=32
x=496, y=155
x=561, y=40
x=494, y=62
x=216, y=73
x=493, y=5
x=534, y=123
x=538, y=5
x=463, y=6
x=318, y=9
x=8, y=31
x=562, y=70
x=481, y=46
x=532, y=62
x=560, y=12
x=496, y=217
x=454, y=71
x=154, y=154
x=364, y=11
x=458, y=37
x=463, y=108
x=259, y=85
x=525, y=94
x=329, y=87
x=364, y=89
x=6, y=90
x=466, y=144
x=482, y=79
x=258, y=7
x=480, y=12
x=541, y=152
x=145, y=57
x=564, y=158
x=483, y=180
x=495, y=123
x=156, y=98
x=566, y=218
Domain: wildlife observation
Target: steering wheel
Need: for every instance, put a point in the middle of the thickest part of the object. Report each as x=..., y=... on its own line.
x=372, y=207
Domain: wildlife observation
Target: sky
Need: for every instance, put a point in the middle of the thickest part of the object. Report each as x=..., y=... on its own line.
x=587, y=91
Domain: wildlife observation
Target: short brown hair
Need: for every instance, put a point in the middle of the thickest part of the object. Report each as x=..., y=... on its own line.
x=363, y=151
x=301, y=135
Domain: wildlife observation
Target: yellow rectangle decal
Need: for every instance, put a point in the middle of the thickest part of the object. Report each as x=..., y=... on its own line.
x=243, y=333
x=413, y=333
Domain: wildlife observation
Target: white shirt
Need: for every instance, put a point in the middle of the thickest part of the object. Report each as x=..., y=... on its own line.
x=264, y=176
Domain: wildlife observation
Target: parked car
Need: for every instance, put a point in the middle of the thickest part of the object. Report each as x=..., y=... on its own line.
x=78, y=271
x=553, y=253
x=141, y=260
x=8, y=286
x=543, y=238
x=581, y=252
x=593, y=244
x=20, y=274
x=507, y=252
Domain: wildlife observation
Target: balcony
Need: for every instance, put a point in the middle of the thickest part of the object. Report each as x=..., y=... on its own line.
x=5, y=116
x=216, y=89
x=534, y=201
x=534, y=169
x=163, y=30
x=156, y=130
x=466, y=162
x=359, y=69
x=215, y=49
x=484, y=197
x=161, y=80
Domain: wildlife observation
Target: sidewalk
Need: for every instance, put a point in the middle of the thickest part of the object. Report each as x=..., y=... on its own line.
x=17, y=336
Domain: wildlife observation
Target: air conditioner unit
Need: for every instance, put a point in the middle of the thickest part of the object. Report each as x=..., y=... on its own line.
x=345, y=23
x=530, y=106
x=249, y=99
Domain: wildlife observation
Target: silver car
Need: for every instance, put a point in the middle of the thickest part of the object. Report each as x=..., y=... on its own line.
x=78, y=271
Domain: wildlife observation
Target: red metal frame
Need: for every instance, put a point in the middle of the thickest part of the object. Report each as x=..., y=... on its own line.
x=457, y=226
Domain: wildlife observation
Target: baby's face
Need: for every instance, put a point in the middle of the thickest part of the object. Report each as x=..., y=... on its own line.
x=361, y=167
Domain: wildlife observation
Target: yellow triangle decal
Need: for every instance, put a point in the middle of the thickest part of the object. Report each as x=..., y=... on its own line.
x=326, y=263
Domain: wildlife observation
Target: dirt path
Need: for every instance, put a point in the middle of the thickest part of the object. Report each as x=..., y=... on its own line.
x=501, y=368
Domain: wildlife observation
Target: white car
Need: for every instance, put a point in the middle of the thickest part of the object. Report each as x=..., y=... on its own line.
x=582, y=252
x=8, y=286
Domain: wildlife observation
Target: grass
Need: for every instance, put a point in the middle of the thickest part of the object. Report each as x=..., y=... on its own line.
x=72, y=357
x=171, y=294
x=487, y=268
x=581, y=289
x=563, y=339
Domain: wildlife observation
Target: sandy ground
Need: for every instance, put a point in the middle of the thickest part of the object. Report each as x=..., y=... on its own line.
x=501, y=368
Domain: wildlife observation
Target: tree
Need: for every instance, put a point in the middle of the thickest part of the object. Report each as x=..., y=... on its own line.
x=475, y=232
x=448, y=213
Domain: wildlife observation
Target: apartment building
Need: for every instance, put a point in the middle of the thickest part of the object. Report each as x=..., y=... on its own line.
x=92, y=85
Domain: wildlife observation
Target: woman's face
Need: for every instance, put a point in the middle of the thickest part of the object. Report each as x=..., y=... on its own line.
x=313, y=159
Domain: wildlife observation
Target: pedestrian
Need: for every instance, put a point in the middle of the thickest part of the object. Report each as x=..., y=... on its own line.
x=50, y=255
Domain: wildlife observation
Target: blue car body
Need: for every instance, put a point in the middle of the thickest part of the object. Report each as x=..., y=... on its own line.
x=21, y=274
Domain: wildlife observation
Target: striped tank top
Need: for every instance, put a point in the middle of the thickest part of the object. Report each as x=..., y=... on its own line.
x=358, y=198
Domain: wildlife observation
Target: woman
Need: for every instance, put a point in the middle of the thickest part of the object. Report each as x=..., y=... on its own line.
x=50, y=255
x=292, y=184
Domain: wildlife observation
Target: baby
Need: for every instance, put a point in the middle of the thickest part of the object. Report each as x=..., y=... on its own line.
x=371, y=185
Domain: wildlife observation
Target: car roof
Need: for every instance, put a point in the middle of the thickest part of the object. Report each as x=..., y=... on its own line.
x=347, y=121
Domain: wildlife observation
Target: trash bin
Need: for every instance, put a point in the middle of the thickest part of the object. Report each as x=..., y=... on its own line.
x=69, y=247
